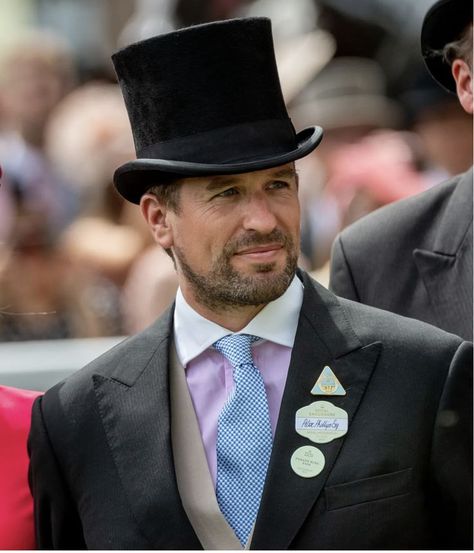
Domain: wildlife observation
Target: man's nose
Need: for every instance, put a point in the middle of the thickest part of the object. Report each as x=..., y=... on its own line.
x=258, y=214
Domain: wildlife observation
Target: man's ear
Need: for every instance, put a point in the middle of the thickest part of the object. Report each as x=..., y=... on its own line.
x=158, y=218
x=463, y=77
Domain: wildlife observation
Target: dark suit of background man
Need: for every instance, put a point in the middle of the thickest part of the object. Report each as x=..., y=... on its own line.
x=133, y=451
x=414, y=257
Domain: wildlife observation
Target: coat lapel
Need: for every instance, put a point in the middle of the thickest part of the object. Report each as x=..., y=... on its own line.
x=134, y=407
x=446, y=267
x=324, y=337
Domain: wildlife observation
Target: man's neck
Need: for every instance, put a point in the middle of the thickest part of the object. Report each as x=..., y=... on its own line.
x=234, y=318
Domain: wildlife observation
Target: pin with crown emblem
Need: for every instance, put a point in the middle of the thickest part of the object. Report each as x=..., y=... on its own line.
x=327, y=384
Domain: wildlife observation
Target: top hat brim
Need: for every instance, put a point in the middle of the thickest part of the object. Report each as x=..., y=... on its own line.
x=135, y=177
x=443, y=23
x=441, y=72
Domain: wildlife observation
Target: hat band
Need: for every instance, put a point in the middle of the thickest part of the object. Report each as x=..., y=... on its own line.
x=232, y=144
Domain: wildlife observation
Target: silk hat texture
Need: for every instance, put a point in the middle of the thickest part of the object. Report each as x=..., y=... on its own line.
x=205, y=100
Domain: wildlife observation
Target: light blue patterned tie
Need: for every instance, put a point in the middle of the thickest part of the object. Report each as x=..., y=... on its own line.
x=244, y=438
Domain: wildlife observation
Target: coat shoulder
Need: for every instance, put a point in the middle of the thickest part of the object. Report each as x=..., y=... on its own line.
x=133, y=352
x=399, y=332
x=371, y=324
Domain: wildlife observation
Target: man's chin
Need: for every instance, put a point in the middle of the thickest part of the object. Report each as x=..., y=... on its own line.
x=266, y=281
x=266, y=270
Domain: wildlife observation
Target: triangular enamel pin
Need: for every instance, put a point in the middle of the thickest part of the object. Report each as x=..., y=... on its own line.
x=328, y=384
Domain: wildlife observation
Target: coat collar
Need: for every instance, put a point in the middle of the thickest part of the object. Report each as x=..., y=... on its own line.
x=133, y=402
x=446, y=268
x=457, y=217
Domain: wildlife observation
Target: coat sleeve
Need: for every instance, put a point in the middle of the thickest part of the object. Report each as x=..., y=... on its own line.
x=341, y=281
x=57, y=523
x=451, y=459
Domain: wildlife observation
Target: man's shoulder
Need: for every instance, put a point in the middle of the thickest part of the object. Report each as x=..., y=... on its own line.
x=400, y=333
x=372, y=323
x=408, y=342
x=117, y=363
x=415, y=215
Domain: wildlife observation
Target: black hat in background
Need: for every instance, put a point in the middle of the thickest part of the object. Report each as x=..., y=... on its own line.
x=421, y=97
x=347, y=92
x=205, y=100
x=443, y=23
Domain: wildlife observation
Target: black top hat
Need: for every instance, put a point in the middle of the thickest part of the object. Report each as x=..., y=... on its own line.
x=205, y=100
x=443, y=23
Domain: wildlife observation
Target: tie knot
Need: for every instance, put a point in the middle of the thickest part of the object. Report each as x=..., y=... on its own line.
x=237, y=348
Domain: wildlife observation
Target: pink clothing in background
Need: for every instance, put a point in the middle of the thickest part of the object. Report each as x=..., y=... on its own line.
x=210, y=380
x=16, y=503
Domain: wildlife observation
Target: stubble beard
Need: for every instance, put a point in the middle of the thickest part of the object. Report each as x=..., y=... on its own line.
x=223, y=287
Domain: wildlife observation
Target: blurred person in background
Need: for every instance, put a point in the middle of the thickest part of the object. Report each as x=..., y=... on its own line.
x=150, y=18
x=16, y=503
x=348, y=96
x=415, y=257
x=31, y=284
x=108, y=239
x=374, y=171
x=370, y=173
x=36, y=72
x=152, y=271
x=43, y=294
x=36, y=204
x=66, y=284
x=443, y=128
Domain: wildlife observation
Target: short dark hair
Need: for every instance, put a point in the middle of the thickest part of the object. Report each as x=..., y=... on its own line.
x=167, y=193
x=460, y=48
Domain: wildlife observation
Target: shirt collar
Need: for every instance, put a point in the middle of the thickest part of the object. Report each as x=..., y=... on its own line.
x=276, y=322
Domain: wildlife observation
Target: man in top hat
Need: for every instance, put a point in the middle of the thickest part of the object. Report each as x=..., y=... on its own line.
x=260, y=410
x=414, y=257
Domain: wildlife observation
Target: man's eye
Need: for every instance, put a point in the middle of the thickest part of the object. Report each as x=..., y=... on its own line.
x=278, y=184
x=227, y=192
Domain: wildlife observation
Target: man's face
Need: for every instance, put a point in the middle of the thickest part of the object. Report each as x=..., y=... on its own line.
x=235, y=238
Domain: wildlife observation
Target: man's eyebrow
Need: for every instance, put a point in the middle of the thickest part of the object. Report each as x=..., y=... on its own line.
x=284, y=174
x=220, y=181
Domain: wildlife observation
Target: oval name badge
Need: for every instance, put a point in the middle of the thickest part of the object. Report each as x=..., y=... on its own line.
x=321, y=422
x=307, y=461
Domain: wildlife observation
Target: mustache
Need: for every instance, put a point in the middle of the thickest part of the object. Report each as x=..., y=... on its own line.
x=254, y=238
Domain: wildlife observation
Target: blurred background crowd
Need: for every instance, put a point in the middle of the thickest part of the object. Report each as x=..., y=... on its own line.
x=75, y=259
